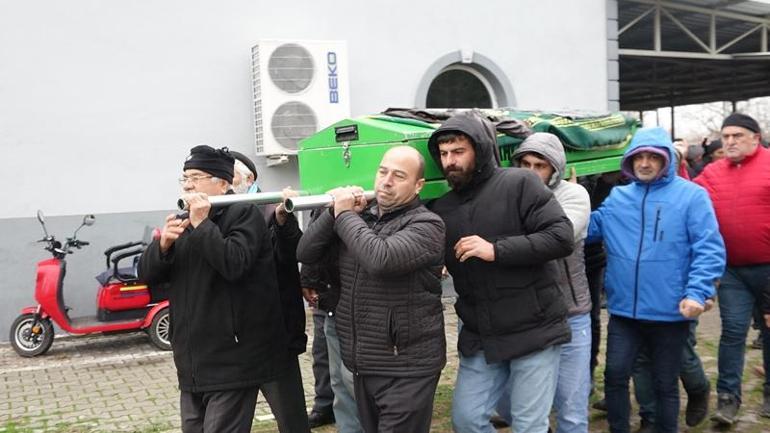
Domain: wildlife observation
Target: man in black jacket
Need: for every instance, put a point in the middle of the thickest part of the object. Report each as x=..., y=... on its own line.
x=321, y=288
x=223, y=298
x=389, y=316
x=285, y=395
x=503, y=229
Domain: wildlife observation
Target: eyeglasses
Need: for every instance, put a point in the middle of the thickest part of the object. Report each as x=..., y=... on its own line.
x=194, y=179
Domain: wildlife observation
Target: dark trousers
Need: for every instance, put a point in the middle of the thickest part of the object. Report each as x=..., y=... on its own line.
x=324, y=396
x=625, y=338
x=286, y=398
x=740, y=292
x=595, y=286
x=229, y=411
x=692, y=376
x=395, y=404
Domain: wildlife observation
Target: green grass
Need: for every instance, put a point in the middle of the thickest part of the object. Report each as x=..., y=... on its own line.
x=84, y=426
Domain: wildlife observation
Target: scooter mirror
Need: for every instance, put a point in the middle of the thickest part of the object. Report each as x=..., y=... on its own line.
x=41, y=219
x=88, y=220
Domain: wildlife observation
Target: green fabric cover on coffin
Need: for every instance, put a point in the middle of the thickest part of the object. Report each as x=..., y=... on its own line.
x=349, y=151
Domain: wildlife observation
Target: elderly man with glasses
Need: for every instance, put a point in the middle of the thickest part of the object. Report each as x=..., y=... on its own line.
x=224, y=299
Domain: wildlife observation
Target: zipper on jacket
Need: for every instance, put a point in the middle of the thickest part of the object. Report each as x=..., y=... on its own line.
x=639, y=254
x=187, y=315
x=392, y=328
x=569, y=280
x=353, y=318
x=655, y=229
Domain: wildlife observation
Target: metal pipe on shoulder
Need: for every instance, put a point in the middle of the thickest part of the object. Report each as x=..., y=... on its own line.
x=228, y=199
x=296, y=204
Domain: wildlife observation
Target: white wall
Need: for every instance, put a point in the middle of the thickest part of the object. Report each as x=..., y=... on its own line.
x=100, y=101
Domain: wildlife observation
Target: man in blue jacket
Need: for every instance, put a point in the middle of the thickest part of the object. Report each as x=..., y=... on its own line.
x=664, y=254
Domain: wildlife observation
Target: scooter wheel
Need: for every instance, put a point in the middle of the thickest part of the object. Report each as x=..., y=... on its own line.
x=28, y=341
x=160, y=330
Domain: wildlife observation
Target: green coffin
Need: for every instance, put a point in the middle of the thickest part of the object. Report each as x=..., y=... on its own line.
x=349, y=152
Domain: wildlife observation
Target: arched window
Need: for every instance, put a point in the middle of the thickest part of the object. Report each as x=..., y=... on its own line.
x=460, y=86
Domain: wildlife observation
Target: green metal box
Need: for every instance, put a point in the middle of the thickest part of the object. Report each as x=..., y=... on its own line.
x=349, y=151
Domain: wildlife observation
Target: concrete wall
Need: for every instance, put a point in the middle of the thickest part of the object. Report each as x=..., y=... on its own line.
x=101, y=101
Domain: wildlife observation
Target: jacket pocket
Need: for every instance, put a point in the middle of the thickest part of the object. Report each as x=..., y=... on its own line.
x=551, y=301
x=568, y=277
x=393, y=332
x=233, y=318
x=518, y=309
x=656, y=236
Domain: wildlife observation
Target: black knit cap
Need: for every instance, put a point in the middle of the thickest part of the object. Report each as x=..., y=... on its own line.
x=742, y=120
x=216, y=162
x=246, y=161
x=713, y=146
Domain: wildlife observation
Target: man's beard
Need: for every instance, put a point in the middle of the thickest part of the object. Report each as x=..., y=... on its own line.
x=241, y=188
x=458, y=178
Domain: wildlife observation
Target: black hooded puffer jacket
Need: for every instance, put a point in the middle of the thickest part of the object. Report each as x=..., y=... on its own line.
x=510, y=307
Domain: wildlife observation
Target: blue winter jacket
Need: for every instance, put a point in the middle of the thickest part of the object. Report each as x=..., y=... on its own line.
x=662, y=240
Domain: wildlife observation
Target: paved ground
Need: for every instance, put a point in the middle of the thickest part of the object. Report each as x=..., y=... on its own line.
x=108, y=383
x=121, y=383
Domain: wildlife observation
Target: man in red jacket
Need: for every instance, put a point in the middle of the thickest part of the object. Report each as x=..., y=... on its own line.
x=739, y=186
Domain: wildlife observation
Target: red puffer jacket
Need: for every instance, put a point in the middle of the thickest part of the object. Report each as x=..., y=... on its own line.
x=741, y=196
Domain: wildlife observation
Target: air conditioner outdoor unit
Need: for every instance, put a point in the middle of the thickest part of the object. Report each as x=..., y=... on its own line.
x=300, y=87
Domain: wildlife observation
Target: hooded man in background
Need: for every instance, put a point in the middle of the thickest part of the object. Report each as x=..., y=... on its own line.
x=664, y=255
x=543, y=153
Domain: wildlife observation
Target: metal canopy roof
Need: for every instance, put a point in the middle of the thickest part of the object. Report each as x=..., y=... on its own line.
x=689, y=52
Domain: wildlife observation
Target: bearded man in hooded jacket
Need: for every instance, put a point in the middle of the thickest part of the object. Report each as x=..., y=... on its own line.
x=503, y=229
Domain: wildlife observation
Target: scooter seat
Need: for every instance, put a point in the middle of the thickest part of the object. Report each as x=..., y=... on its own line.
x=127, y=274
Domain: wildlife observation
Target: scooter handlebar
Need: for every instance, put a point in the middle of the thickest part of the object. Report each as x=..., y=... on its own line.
x=77, y=243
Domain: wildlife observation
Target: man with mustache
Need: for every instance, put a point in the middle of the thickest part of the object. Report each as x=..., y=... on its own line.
x=664, y=255
x=503, y=230
x=389, y=316
x=225, y=306
x=739, y=186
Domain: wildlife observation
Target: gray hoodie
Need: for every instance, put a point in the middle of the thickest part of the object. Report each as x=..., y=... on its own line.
x=576, y=203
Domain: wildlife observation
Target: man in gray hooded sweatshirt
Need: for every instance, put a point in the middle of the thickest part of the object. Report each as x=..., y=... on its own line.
x=544, y=154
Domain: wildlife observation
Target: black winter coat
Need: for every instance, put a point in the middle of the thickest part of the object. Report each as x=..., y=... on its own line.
x=510, y=307
x=390, y=318
x=285, y=239
x=224, y=301
x=324, y=276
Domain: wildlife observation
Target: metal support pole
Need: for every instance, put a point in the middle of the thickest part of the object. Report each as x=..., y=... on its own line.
x=656, y=28
x=673, y=126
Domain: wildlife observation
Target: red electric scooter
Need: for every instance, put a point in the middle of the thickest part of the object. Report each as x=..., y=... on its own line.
x=124, y=303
